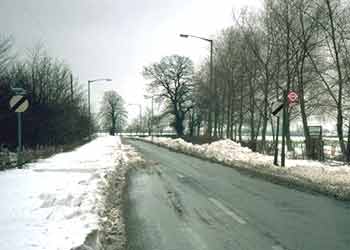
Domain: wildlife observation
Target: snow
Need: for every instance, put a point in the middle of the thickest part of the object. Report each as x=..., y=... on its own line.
x=325, y=177
x=56, y=202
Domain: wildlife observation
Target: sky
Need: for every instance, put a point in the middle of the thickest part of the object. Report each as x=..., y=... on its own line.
x=116, y=39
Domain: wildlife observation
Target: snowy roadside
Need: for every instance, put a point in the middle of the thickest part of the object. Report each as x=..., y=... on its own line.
x=312, y=175
x=60, y=202
x=112, y=233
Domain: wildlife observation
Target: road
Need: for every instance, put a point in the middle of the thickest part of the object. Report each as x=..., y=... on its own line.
x=181, y=202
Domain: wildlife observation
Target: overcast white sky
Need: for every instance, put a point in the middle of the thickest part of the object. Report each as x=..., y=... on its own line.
x=115, y=38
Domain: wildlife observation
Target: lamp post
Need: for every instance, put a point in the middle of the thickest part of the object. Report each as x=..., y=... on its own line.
x=211, y=74
x=89, y=82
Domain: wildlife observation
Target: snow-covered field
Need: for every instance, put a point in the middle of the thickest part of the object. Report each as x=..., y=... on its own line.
x=54, y=203
x=334, y=180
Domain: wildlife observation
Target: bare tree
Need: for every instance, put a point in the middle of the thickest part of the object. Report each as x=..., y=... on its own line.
x=113, y=112
x=5, y=53
x=54, y=117
x=171, y=80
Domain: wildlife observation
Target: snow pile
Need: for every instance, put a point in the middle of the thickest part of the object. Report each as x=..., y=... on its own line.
x=311, y=174
x=57, y=202
x=226, y=151
x=129, y=155
x=112, y=232
x=229, y=151
x=320, y=173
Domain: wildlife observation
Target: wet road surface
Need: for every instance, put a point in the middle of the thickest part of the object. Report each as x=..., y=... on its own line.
x=181, y=202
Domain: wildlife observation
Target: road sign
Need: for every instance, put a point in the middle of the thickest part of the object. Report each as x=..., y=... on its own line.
x=292, y=97
x=276, y=108
x=19, y=103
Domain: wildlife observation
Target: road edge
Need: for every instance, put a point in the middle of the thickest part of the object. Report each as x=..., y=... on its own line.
x=111, y=231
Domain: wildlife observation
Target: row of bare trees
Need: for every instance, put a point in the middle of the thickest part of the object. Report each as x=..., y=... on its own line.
x=58, y=113
x=299, y=45
x=289, y=45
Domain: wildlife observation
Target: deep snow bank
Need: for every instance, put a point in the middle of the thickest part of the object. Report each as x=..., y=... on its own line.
x=308, y=174
x=57, y=202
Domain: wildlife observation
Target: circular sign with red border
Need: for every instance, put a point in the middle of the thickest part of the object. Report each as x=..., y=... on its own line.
x=292, y=97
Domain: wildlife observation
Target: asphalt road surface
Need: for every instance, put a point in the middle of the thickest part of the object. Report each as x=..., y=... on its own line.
x=181, y=202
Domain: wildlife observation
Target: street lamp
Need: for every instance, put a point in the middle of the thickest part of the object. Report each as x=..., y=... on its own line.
x=211, y=72
x=140, y=107
x=89, y=82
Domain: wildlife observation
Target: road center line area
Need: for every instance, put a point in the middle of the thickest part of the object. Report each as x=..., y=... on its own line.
x=228, y=211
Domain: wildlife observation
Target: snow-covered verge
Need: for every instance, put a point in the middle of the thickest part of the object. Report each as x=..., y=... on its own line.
x=312, y=175
x=59, y=203
x=112, y=234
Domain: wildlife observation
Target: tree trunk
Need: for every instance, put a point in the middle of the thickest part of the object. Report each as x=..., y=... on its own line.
x=235, y=138
x=272, y=129
x=340, y=81
x=210, y=128
x=348, y=146
x=233, y=123
x=289, y=78
x=179, y=119
x=199, y=128
x=265, y=115
x=240, y=114
x=179, y=125
x=228, y=124
x=302, y=107
x=191, y=124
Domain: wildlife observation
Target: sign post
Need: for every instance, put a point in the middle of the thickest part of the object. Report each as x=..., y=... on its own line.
x=284, y=122
x=19, y=133
x=19, y=104
x=275, y=159
x=276, y=108
x=288, y=100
